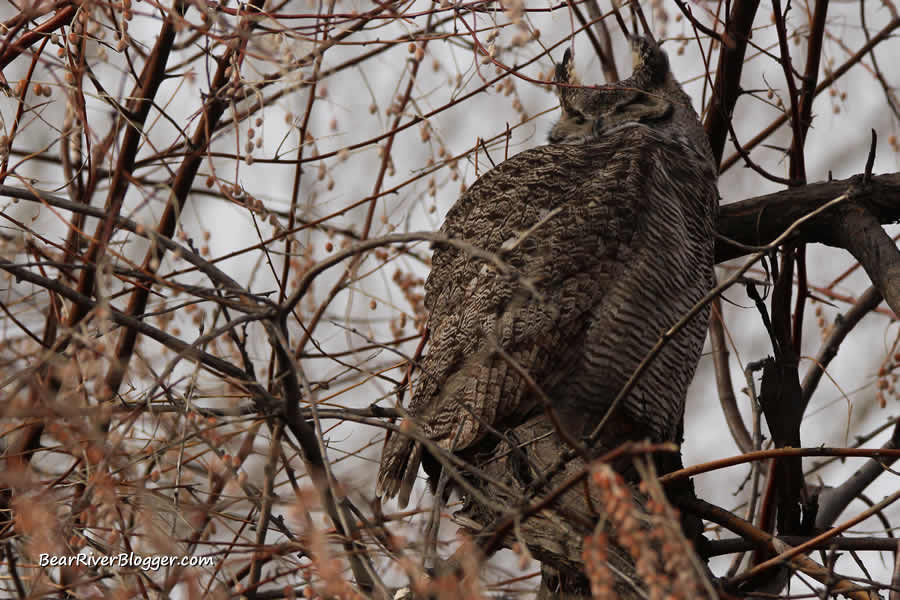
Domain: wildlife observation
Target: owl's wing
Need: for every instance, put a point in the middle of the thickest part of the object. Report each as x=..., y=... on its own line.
x=563, y=224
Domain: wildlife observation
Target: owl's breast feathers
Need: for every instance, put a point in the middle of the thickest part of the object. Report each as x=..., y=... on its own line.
x=604, y=233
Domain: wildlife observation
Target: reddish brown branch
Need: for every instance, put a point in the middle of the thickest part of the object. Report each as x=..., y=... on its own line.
x=786, y=554
x=63, y=17
x=181, y=186
x=740, y=459
x=138, y=108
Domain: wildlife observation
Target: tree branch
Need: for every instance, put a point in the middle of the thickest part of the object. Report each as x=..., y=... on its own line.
x=757, y=221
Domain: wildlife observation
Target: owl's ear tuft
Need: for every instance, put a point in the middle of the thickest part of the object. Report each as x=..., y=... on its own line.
x=650, y=62
x=565, y=71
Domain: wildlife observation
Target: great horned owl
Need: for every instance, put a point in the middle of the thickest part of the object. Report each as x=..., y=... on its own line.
x=611, y=225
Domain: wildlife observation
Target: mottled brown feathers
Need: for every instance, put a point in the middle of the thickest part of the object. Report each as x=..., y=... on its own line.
x=612, y=225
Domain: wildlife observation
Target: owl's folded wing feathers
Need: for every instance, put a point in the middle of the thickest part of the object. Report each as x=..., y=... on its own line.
x=566, y=234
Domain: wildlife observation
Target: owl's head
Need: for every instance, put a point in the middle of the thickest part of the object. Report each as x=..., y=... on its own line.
x=651, y=97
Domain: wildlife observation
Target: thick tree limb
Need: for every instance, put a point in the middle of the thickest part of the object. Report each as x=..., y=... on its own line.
x=757, y=221
x=858, y=231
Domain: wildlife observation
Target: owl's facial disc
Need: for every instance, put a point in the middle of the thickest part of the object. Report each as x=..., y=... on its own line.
x=641, y=108
x=590, y=112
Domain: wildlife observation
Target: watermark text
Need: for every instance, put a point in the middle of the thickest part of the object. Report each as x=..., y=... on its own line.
x=124, y=560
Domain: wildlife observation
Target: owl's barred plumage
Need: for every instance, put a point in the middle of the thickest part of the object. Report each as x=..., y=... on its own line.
x=612, y=224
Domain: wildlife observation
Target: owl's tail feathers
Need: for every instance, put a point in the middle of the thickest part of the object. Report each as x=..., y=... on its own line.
x=399, y=466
